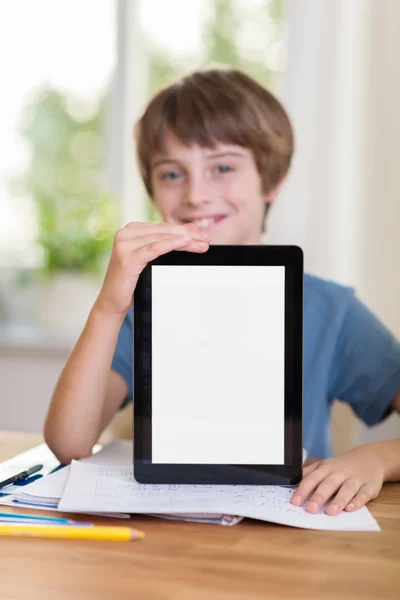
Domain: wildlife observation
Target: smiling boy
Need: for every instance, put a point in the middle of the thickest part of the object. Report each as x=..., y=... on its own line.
x=213, y=150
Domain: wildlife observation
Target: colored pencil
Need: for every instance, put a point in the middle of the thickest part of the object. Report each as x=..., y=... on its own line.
x=121, y=534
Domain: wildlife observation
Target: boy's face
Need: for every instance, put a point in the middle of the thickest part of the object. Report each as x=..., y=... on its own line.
x=219, y=189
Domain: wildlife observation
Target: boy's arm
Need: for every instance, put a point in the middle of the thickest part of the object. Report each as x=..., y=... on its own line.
x=353, y=478
x=390, y=457
x=87, y=393
x=365, y=368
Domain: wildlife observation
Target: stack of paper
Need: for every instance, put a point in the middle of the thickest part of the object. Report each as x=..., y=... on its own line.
x=104, y=484
x=112, y=488
x=46, y=493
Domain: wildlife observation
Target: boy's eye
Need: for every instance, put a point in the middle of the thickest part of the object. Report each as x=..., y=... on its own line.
x=170, y=175
x=223, y=169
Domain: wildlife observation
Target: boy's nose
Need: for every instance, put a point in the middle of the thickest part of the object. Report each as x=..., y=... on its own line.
x=197, y=193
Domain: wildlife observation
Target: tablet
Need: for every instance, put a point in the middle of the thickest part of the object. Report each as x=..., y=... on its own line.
x=218, y=341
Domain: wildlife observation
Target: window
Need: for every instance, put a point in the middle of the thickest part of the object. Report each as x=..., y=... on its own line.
x=77, y=77
x=59, y=59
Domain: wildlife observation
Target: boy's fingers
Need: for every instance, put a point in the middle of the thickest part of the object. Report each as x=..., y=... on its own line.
x=347, y=491
x=152, y=251
x=364, y=495
x=149, y=252
x=308, y=485
x=196, y=246
x=135, y=243
x=310, y=468
x=143, y=229
x=324, y=491
x=194, y=229
x=299, y=497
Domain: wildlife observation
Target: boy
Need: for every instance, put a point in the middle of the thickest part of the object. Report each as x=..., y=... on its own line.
x=213, y=151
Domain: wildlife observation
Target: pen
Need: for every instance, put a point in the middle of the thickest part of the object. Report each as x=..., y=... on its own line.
x=57, y=468
x=6, y=521
x=121, y=534
x=22, y=475
x=10, y=516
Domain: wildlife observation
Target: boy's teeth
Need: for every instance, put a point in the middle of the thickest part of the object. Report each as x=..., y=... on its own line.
x=203, y=223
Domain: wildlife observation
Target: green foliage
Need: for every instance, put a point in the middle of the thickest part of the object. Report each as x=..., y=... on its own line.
x=222, y=33
x=76, y=215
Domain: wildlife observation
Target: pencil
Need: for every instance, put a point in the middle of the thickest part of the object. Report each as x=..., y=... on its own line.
x=121, y=534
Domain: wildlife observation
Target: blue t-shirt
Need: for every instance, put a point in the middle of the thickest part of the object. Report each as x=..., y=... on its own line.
x=348, y=355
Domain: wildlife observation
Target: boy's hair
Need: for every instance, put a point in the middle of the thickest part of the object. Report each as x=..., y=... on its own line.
x=222, y=105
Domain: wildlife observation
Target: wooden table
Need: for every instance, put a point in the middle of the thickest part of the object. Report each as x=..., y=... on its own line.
x=189, y=561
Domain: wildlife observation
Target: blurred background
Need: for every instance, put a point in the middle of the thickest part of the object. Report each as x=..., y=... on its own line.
x=75, y=75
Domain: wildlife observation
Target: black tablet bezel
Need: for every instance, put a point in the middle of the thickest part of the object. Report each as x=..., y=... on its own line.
x=290, y=473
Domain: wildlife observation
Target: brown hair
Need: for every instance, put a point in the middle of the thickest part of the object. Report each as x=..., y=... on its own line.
x=222, y=105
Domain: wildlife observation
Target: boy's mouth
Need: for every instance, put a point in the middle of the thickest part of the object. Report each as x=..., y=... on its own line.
x=208, y=221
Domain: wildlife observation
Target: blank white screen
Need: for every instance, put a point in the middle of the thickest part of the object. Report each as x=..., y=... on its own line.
x=218, y=364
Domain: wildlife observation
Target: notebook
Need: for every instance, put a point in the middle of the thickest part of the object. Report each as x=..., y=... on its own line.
x=92, y=487
x=45, y=493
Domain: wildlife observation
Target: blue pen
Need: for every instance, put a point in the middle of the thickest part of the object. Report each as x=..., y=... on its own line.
x=27, y=481
x=60, y=466
x=41, y=522
x=21, y=476
x=31, y=479
x=18, y=517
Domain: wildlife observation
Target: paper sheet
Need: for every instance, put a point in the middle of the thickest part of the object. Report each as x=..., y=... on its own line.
x=45, y=493
x=10, y=501
x=49, y=489
x=101, y=488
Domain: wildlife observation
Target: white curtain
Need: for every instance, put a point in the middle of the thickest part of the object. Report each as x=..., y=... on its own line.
x=341, y=202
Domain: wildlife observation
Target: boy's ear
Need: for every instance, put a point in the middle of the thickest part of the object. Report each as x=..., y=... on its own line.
x=270, y=197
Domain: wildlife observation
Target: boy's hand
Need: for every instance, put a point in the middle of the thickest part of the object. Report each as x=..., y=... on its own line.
x=352, y=479
x=135, y=246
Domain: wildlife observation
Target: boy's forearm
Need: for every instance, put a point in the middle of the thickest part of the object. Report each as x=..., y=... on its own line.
x=73, y=421
x=389, y=454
